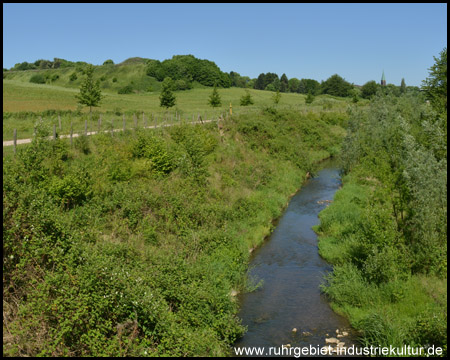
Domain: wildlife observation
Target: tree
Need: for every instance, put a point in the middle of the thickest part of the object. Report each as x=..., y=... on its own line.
x=336, y=86
x=309, y=98
x=294, y=84
x=276, y=97
x=246, y=99
x=284, y=83
x=435, y=86
x=308, y=85
x=260, y=82
x=403, y=86
x=369, y=89
x=90, y=93
x=214, y=98
x=167, y=98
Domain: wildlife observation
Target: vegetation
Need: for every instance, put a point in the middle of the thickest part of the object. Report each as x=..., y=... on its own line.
x=214, y=99
x=130, y=245
x=336, y=86
x=167, y=98
x=436, y=84
x=276, y=97
x=246, y=99
x=386, y=232
x=309, y=99
x=188, y=68
x=90, y=93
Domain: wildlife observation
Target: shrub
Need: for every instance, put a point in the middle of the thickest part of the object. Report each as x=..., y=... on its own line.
x=153, y=148
x=128, y=89
x=246, y=99
x=71, y=190
x=73, y=76
x=309, y=98
x=37, y=79
x=82, y=144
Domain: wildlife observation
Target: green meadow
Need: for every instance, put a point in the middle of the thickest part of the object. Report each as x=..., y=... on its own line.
x=24, y=103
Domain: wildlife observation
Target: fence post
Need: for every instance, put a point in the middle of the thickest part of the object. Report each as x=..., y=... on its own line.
x=99, y=122
x=15, y=140
x=59, y=121
x=85, y=127
x=156, y=121
x=54, y=132
x=112, y=127
x=71, y=134
x=123, y=122
x=143, y=120
x=135, y=120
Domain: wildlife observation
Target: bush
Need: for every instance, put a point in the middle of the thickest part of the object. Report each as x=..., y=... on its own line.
x=37, y=79
x=153, y=148
x=82, y=144
x=73, y=76
x=246, y=99
x=128, y=89
x=71, y=190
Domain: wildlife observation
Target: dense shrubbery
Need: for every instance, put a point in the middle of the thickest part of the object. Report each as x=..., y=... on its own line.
x=386, y=232
x=130, y=245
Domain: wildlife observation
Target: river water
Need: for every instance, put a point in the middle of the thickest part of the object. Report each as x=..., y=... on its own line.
x=291, y=269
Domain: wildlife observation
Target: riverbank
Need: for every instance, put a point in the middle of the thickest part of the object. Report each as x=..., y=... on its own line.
x=386, y=231
x=130, y=245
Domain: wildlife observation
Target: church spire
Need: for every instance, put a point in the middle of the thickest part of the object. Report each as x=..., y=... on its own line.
x=383, y=80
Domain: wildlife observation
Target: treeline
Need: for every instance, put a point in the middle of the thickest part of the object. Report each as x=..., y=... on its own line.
x=185, y=70
x=46, y=64
x=386, y=232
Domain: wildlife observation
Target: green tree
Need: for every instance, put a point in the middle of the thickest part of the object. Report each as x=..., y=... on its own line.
x=369, y=89
x=214, y=99
x=90, y=93
x=167, y=98
x=403, y=86
x=276, y=97
x=309, y=98
x=294, y=84
x=308, y=85
x=336, y=86
x=246, y=99
x=435, y=86
x=284, y=83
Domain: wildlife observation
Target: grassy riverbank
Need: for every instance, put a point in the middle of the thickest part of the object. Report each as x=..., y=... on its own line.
x=131, y=245
x=385, y=232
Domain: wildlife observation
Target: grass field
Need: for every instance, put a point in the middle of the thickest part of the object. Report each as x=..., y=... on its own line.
x=24, y=103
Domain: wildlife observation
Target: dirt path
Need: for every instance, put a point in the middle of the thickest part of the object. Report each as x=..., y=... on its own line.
x=26, y=141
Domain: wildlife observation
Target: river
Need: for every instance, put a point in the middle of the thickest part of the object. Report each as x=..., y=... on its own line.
x=291, y=269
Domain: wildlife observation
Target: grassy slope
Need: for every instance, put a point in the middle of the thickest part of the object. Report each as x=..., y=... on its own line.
x=24, y=102
x=143, y=263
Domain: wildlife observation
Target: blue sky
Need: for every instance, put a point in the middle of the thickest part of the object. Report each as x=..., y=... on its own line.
x=315, y=41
